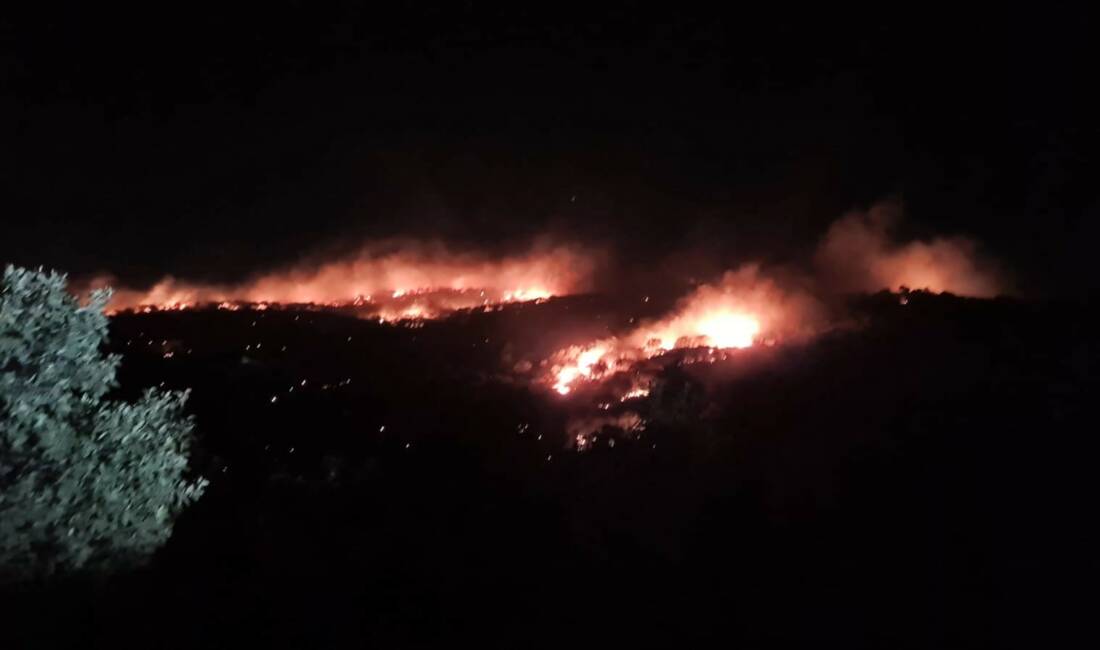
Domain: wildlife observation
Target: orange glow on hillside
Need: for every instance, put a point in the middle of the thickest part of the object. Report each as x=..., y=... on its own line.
x=418, y=281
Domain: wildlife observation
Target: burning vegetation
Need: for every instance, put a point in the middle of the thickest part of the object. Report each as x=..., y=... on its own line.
x=750, y=306
x=743, y=308
x=757, y=306
x=392, y=283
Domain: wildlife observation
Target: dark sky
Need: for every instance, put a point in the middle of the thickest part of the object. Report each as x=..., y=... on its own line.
x=210, y=142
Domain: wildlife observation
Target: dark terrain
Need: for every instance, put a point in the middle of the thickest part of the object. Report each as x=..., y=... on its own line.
x=923, y=480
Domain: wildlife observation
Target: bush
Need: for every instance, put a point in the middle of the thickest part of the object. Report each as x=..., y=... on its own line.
x=676, y=400
x=85, y=483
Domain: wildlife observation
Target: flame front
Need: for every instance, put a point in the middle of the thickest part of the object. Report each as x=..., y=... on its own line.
x=741, y=309
x=416, y=281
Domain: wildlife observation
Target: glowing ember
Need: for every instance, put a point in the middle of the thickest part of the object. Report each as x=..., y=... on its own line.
x=635, y=393
x=583, y=432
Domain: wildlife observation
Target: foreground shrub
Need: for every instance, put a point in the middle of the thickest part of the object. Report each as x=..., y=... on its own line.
x=85, y=482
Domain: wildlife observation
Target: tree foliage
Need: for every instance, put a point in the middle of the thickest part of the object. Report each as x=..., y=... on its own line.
x=85, y=482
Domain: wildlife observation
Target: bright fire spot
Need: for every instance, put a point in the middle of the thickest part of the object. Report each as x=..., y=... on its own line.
x=526, y=295
x=635, y=393
x=736, y=312
x=414, y=312
x=578, y=368
x=728, y=330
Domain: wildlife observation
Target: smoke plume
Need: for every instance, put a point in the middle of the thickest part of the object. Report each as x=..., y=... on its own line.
x=857, y=254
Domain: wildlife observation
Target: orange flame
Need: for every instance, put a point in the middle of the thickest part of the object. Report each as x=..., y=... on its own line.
x=416, y=281
x=744, y=307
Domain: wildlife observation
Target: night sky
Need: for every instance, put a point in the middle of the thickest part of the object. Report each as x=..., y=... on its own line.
x=211, y=142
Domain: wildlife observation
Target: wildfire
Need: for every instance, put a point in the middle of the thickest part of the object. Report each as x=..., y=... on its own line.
x=407, y=285
x=413, y=281
x=722, y=328
x=745, y=307
x=584, y=365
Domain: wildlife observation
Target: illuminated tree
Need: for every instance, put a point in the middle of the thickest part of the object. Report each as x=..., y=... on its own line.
x=85, y=482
